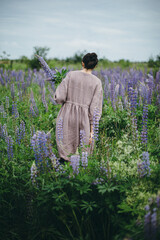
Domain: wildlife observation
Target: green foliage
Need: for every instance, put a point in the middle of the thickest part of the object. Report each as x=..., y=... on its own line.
x=106, y=200
x=154, y=63
x=124, y=63
x=5, y=55
x=59, y=75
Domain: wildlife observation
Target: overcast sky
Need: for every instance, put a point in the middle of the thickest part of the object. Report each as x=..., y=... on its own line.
x=116, y=29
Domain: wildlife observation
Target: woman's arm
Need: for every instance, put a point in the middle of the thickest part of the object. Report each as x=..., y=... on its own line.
x=60, y=94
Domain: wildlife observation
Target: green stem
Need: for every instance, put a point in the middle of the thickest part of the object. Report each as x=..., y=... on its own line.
x=74, y=214
x=77, y=222
x=69, y=231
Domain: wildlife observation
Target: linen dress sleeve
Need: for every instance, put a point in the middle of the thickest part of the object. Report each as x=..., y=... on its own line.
x=60, y=94
x=96, y=103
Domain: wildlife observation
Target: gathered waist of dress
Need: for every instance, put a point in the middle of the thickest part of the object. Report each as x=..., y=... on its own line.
x=78, y=104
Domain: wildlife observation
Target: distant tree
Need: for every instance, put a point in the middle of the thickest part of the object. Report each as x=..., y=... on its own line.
x=151, y=62
x=154, y=63
x=5, y=56
x=158, y=58
x=78, y=56
x=24, y=59
x=41, y=51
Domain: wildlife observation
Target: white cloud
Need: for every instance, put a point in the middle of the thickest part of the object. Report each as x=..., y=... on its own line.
x=85, y=43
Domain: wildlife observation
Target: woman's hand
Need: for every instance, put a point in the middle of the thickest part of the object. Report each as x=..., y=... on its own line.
x=91, y=137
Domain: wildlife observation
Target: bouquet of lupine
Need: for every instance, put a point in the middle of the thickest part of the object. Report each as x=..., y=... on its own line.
x=56, y=75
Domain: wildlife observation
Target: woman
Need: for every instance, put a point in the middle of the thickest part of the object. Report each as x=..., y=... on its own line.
x=80, y=93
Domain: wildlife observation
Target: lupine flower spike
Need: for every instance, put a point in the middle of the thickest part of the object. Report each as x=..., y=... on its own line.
x=82, y=138
x=60, y=130
x=75, y=162
x=144, y=125
x=144, y=165
x=95, y=124
x=84, y=159
x=45, y=67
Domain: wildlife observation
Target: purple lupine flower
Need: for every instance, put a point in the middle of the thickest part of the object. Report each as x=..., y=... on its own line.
x=151, y=219
x=106, y=89
x=134, y=129
x=96, y=119
x=42, y=85
x=51, y=94
x=133, y=100
x=7, y=102
x=60, y=130
x=36, y=144
x=33, y=102
x=144, y=125
x=46, y=68
x=147, y=225
x=42, y=149
x=1, y=80
x=22, y=129
x=82, y=138
x=23, y=87
x=75, y=162
x=51, y=90
x=54, y=161
x=147, y=208
x=154, y=223
x=3, y=111
x=12, y=91
x=98, y=181
x=112, y=91
x=18, y=138
x=32, y=130
x=4, y=115
x=52, y=100
x=120, y=105
x=144, y=165
x=44, y=100
x=34, y=172
x=158, y=201
x=1, y=108
x=4, y=133
x=129, y=89
x=15, y=110
x=20, y=95
x=43, y=143
x=56, y=165
x=105, y=169
x=84, y=159
x=53, y=86
x=31, y=111
x=9, y=141
x=0, y=130
x=150, y=83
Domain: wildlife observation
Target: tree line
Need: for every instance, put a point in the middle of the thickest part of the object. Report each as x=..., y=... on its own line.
x=33, y=62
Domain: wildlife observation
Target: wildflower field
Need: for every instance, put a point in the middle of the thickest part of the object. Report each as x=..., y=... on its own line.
x=112, y=194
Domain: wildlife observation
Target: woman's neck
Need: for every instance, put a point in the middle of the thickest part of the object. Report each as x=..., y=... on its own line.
x=87, y=70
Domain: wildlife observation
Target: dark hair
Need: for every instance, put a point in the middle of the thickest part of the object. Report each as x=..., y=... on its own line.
x=90, y=60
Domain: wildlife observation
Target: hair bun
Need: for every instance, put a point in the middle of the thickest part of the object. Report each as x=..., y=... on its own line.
x=93, y=56
x=90, y=60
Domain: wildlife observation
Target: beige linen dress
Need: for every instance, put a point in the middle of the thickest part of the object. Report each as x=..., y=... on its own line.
x=79, y=93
